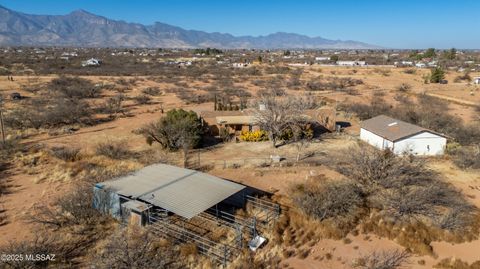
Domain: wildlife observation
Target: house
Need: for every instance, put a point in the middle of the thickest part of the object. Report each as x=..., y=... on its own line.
x=244, y=120
x=91, y=62
x=233, y=121
x=476, y=80
x=401, y=137
x=351, y=63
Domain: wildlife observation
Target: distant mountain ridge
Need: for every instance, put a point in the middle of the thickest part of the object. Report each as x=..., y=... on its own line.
x=81, y=28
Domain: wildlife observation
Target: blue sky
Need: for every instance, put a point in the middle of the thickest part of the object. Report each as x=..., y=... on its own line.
x=388, y=23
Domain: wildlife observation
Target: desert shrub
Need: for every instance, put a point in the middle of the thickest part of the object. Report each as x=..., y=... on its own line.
x=153, y=91
x=336, y=200
x=66, y=153
x=392, y=196
x=277, y=69
x=142, y=99
x=273, y=91
x=116, y=150
x=191, y=97
x=382, y=71
x=377, y=106
x=410, y=71
x=332, y=83
x=136, y=248
x=42, y=113
x=456, y=264
x=404, y=87
x=74, y=87
x=389, y=259
x=403, y=187
x=73, y=210
x=113, y=105
x=467, y=157
x=65, y=251
x=254, y=136
x=437, y=74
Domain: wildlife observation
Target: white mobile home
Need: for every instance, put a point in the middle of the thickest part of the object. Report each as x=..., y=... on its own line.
x=401, y=137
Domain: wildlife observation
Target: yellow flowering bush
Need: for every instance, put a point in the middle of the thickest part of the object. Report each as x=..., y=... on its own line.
x=254, y=136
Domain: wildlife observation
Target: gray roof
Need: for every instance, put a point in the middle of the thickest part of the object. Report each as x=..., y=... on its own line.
x=182, y=191
x=392, y=129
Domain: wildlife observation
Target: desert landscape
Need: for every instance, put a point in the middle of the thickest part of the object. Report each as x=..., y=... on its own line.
x=70, y=127
x=148, y=145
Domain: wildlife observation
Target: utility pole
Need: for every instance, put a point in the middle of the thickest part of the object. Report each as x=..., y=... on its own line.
x=1, y=121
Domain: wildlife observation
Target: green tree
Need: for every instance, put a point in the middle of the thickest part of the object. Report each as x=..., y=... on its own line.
x=450, y=54
x=437, y=74
x=334, y=58
x=179, y=129
x=429, y=53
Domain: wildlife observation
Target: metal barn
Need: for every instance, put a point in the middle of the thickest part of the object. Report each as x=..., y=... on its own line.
x=188, y=206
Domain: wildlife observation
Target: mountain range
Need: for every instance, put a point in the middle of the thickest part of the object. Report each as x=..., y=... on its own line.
x=83, y=29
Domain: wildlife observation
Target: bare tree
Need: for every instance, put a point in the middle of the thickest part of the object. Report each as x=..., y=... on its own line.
x=275, y=114
x=302, y=136
x=73, y=209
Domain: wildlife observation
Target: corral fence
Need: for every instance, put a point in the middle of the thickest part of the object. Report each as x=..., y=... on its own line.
x=198, y=161
x=196, y=230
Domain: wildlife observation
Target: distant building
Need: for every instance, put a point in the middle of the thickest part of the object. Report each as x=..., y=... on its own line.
x=404, y=63
x=240, y=65
x=91, y=62
x=401, y=137
x=351, y=63
x=420, y=65
x=320, y=59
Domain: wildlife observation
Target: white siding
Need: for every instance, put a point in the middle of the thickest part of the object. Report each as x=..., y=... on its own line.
x=425, y=143
x=375, y=140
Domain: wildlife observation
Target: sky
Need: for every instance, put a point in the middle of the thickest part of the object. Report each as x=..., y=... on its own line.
x=388, y=23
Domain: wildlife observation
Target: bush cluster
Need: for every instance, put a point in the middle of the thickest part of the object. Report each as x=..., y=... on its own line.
x=254, y=136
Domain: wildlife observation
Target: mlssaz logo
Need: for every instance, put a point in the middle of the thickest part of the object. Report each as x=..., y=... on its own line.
x=40, y=257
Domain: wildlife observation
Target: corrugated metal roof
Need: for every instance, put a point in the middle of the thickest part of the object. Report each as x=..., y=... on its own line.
x=182, y=191
x=392, y=129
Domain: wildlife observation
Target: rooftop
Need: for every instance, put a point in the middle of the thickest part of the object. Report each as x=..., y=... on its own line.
x=182, y=191
x=392, y=129
x=245, y=120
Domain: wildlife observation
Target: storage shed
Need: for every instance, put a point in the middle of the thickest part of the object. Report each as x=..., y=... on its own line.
x=384, y=132
x=181, y=191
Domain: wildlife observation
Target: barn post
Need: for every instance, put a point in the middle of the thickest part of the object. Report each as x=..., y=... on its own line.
x=198, y=159
x=224, y=256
